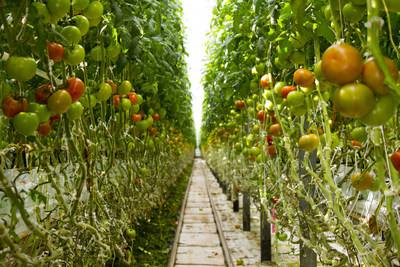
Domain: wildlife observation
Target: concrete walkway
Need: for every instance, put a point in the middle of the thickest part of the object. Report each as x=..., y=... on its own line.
x=199, y=243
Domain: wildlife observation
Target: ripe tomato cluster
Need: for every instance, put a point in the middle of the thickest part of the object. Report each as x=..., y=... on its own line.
x=369, y=99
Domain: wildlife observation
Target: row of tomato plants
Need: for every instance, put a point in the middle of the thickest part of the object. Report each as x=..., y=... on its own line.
x=301, y=105
x=96, y=126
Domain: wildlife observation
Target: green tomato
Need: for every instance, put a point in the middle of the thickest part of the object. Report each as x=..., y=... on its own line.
x=94, y=10
x=97, y=53
x=250, y=102
x=383, y=109
x=85, y=100
x=334, y=140
x=282, y=236
x=143, y=171
x=75, y=111
x=94, y=22
x=42, y=11
x=58, y=8
x=278, y=87
x=298, y=111
x=104, y=92
x=75, y=55
x=140, y=99
x=359, y=134
x=353, y=13
x=41, y=110
x=255, y=151
x=26, y=123
x=113, y=50
x=131, y=233
x=59, y=102
x=72, y=34
x=125, y=104
x=134, y=109
x=354, y=100
x=295, y=99
x=82, y=23
x=21, y=68
x=162, y=112
x=80, y=4
x=125, y=87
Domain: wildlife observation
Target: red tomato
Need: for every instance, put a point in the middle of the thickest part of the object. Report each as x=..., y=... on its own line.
x=286, y=90
x=55, y=51
x=116, y=100
x=136, y=117
x=271, y=150
x=54, y=118
x=43, y=93
x=13, y=105
x=355, y=143
x=275, y=129
x=395, y=159
x=156, y=117
x=133, y=98
x=304, y=78
x=269, y=140
x=266, y=79
x=239, y=104
x=262, y=115
x=373, y=76
x=76, y=88
x=341, y=64
x=44, y=128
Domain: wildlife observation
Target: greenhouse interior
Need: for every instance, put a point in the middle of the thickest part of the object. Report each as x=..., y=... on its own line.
x=200, y=133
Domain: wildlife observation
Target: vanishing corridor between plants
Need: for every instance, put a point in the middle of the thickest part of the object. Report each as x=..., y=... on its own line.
x=301, y=105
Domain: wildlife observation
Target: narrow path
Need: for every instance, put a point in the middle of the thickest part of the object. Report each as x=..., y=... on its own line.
x=200, y=243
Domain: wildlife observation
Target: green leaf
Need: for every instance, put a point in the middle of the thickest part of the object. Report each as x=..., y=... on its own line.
x=34, y=194
x=327, y=32
x=298, y=9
